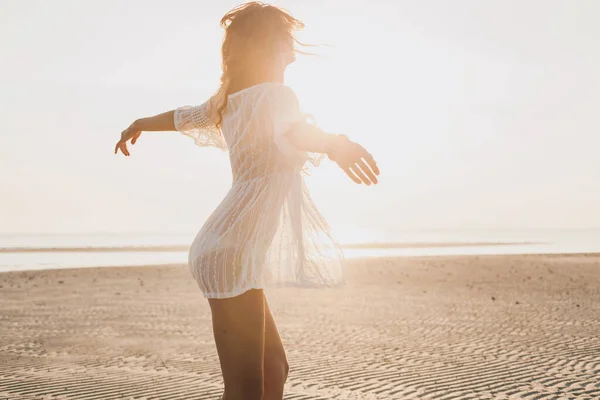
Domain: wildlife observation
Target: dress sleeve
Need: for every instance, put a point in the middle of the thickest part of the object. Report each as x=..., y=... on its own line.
x=286, y=113
x=198, y=123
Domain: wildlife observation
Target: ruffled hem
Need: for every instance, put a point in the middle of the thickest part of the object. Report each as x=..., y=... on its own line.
x=192, y=122
x=274, y=285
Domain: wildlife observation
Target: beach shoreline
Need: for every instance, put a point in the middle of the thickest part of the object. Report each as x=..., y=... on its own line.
x=477, y=326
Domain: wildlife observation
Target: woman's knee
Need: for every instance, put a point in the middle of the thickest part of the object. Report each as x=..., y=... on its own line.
x=244, y=385
x=248, y=387
x=286, y=369
x=276, y=372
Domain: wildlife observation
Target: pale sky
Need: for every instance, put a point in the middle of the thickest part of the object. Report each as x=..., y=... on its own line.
x=481, y=114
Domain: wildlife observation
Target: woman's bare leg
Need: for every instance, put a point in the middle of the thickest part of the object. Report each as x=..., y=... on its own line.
x=275, y=361
x=239, y=329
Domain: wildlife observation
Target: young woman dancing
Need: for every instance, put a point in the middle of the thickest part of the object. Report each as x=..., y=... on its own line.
x=267, y=231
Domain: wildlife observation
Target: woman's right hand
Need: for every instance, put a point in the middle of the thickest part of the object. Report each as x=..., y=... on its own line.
x=131, y=133
x=354, y=159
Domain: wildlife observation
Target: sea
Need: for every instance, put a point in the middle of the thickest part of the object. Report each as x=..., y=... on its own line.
x=19, y=252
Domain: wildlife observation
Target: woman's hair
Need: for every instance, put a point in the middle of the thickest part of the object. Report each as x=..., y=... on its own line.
x=255, y=34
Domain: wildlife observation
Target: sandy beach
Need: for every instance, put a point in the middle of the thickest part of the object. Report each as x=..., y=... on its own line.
x=461, y=327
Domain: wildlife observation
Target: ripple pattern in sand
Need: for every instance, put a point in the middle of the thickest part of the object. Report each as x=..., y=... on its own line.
x=510, y=327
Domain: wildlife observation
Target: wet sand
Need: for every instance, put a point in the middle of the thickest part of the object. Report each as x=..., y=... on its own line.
x=460, y=327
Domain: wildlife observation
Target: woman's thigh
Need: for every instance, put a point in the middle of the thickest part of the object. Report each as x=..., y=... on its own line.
x=274, y=350
x=276, y=365
x=239, y=329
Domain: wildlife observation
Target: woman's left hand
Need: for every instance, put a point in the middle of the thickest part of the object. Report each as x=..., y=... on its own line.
x=131, y=133
x=355, y=160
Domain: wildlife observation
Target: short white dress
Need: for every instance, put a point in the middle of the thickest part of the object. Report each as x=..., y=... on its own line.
x=267, y=232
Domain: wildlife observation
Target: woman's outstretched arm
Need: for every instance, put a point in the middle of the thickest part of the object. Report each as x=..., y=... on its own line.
x=160, y=122
x=354, y=159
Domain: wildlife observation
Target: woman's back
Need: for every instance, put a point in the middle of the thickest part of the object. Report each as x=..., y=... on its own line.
x=253, y=124
x=252, y=129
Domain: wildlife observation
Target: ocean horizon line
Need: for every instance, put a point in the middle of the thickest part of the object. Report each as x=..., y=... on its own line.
x=182, y=248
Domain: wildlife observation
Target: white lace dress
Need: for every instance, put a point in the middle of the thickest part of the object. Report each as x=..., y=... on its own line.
x=267, y=231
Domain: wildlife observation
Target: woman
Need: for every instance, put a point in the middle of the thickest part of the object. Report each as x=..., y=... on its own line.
x=267, y=231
